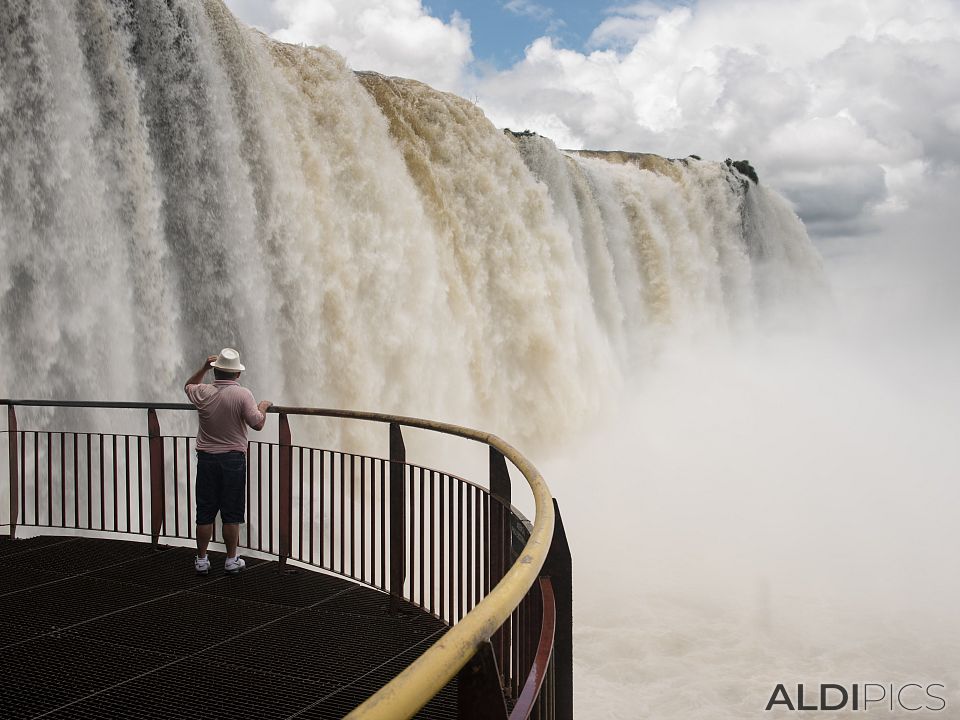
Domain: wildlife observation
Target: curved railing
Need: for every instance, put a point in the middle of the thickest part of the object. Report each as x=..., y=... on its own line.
x=454, y=548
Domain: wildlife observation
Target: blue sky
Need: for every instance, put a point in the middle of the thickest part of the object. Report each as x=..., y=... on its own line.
x=502, y=29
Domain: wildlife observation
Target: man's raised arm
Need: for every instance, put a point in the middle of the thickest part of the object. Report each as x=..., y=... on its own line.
x=198, y=376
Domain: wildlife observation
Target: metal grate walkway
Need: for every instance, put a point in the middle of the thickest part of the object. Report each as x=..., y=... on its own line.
x=109, y=629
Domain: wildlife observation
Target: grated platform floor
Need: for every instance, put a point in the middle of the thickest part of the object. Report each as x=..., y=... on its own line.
x=108, y=629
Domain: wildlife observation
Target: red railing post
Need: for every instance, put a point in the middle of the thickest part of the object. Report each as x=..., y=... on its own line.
x=398, y=458
x=479, y=695
x=499, y=534
x=286, y=491
x=14, y=450
x=537, y=692
x=157, y=494
x=558, y=567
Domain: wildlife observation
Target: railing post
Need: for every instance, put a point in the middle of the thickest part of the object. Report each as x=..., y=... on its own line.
x=398, y=456
x=157, y=494
x=499, y=534
x=286, y=492
x=13, y=432
x=558, y=567
x=479, y=694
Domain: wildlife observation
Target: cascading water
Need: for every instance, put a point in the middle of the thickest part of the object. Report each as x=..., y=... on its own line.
x=173, y=182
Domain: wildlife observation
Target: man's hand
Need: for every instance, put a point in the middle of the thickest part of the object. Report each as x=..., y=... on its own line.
x=209, y=361
x=262, y=407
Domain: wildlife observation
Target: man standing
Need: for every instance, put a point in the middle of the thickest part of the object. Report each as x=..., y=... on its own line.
x=226, y=410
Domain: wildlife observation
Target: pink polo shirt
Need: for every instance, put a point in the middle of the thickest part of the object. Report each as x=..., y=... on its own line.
x=225, y=409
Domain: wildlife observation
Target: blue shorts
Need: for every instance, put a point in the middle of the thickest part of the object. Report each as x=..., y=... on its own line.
x=221, y=486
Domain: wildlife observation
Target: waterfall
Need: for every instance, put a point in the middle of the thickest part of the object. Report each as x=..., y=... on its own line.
x=172, y=182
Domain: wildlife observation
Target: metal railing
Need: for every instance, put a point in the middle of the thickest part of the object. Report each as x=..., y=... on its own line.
x=453, y=548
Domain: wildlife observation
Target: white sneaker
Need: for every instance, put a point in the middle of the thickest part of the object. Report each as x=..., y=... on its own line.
x=202, y=565
x=234, y=565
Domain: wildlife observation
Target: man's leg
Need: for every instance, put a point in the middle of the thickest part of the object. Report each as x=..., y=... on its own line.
x=204, y=533
x=231, y=538
x=233, y=499
x=207, y=498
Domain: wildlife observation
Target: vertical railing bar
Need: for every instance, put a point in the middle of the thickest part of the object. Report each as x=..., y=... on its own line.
x=270, y=496
x=486, y=545
x=49, y=480
x=383, y=525
x=76, y=481
x=89, y=481
x=441, y=567
x=259, y=495
x=398, y=486
x=246, y=526
x=525, y=609
x=477, y=545
x=408, y=475
x=320, y=504
x=532, y=627
x=469, y=563
x=36, y=477
x=22, y=487
x=116, y=486
x=521, y=645
x=246, y=530
x=353, y=517
x=158, y=504
x=363, y=519
x=514, y=644
x=422, y=537
x=433, y=528
x=103, y=488
x=300, y=523
x=190, y=506
x=525, y=649
x=460, y=544
x=331, y=487
x=284, y=489
x=176, y=487
x=312, y=507
x=452, y=558
x=13, y=478
x=63, y=479
x=343, y=513
x=373, y=524
x=525, y=630
x=126, y=463
x=140, y=481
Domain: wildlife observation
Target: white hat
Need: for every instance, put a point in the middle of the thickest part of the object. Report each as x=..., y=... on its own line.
x=229, y=360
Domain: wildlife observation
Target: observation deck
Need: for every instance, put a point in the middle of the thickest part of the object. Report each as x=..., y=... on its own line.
x=95, y=628
x=374, y=588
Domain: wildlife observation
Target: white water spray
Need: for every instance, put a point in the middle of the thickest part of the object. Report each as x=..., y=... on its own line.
x=175, y=182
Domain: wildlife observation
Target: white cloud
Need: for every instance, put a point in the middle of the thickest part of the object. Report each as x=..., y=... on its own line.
x=626, y=25
x=395, y=37
x=835, y=103
x=529, y=8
